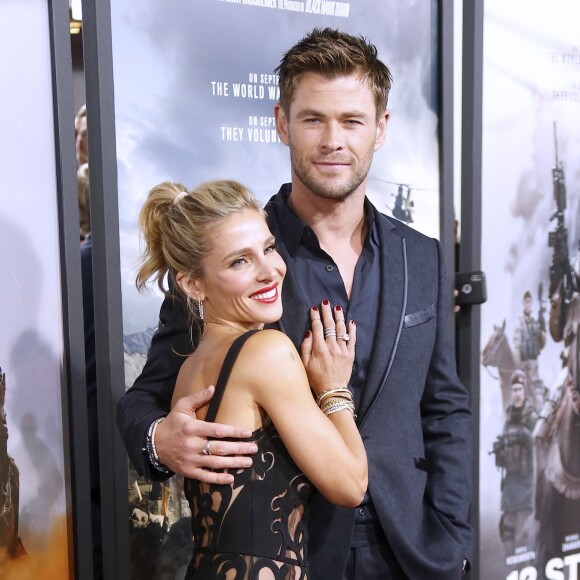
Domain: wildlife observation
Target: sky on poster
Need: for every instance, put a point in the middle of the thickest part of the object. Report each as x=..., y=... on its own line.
x=174, y=61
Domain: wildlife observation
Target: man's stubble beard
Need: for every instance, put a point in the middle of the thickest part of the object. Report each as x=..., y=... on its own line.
x=319, y=188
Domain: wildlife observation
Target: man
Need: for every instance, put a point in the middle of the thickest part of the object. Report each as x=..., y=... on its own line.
x=514, y=452
x=529, y=340
x=82, y=152
x=412, y=410
x=81, y=139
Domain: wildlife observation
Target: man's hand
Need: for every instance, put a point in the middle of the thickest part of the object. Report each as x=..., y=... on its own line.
x=181, y=438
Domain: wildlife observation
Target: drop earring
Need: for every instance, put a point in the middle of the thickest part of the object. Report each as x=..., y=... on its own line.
x=200, y=309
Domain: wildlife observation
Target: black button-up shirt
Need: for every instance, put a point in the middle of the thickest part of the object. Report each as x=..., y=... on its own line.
x=318, y=278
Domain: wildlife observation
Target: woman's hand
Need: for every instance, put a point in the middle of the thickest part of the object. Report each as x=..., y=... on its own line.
x=327, y=351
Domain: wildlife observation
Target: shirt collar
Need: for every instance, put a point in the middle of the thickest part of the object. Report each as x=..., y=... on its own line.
x=292, y=228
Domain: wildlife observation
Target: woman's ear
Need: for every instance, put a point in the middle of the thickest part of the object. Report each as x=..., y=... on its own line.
x=190, y=286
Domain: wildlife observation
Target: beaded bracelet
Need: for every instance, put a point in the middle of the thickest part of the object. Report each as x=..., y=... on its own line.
x=342, y=392
x=333, y=401
x=336, y=404
x=152, y=450
x=340, y=407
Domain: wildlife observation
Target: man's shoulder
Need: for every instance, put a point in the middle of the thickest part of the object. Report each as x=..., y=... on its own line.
x=389, y=223
x=278, y=198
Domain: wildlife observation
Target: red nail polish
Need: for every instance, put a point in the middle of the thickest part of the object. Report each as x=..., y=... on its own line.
x=353, y=322
x=325, y=302
x=307, y=334
x=315, y=308
x=338, y=308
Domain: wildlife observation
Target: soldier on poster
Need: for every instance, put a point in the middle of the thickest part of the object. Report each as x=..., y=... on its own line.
x=513, y=451
x=529, y=340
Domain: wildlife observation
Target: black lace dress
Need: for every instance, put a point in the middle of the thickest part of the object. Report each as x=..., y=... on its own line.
x=257, y=527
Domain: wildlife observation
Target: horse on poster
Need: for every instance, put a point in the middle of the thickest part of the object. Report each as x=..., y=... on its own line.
x=498, y=354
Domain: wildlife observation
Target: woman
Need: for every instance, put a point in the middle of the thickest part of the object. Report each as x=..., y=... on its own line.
x=215, y=244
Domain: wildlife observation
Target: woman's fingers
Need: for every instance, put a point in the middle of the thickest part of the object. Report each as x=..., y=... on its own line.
x=330, y=329
x=328, y=321
x=317, y=326
x=328, y=351
x=352, y=336
x=306, y=349
x=342, y=334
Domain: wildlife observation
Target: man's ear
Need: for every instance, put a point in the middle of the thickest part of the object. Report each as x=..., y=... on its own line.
x=191, y=287
x=381, y=130
x=281, y=123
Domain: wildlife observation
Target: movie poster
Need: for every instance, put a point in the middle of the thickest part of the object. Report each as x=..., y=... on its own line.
x=34, y=540
x=194, y=98
x=530, y=399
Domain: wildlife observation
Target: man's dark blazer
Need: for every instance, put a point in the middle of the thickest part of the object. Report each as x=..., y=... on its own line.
x=414, y=415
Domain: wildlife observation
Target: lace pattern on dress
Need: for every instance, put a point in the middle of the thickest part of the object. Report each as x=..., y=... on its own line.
x=269, y=502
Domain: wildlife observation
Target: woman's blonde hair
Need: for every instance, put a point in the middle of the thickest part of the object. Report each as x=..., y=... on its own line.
x=176, y=225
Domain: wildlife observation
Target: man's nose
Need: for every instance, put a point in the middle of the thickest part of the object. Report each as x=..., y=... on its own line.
x=332, y=137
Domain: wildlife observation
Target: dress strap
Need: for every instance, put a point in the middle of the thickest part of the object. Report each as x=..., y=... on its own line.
x=227, y=367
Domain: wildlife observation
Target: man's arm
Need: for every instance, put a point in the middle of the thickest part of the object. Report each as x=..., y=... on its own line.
x=180, y=437
x=150, y=396
x=447, y=426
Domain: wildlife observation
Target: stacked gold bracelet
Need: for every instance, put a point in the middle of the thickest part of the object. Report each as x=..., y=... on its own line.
x=334, y=400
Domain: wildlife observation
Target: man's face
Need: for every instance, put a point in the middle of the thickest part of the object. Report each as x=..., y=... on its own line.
x=527, y=306
x=518, y=395
x=332, y=131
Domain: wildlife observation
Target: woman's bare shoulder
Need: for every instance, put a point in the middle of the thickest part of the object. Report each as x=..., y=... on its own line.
x=269, y=344
x=268, y=354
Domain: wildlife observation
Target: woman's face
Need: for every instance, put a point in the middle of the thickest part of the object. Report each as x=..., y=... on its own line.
x=243, y=273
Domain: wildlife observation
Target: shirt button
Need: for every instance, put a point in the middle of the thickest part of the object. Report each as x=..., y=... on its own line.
x=361, y=511
x=329, y=268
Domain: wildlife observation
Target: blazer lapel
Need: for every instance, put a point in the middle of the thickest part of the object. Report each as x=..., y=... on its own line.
x=391, y=314
x=295, y=318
